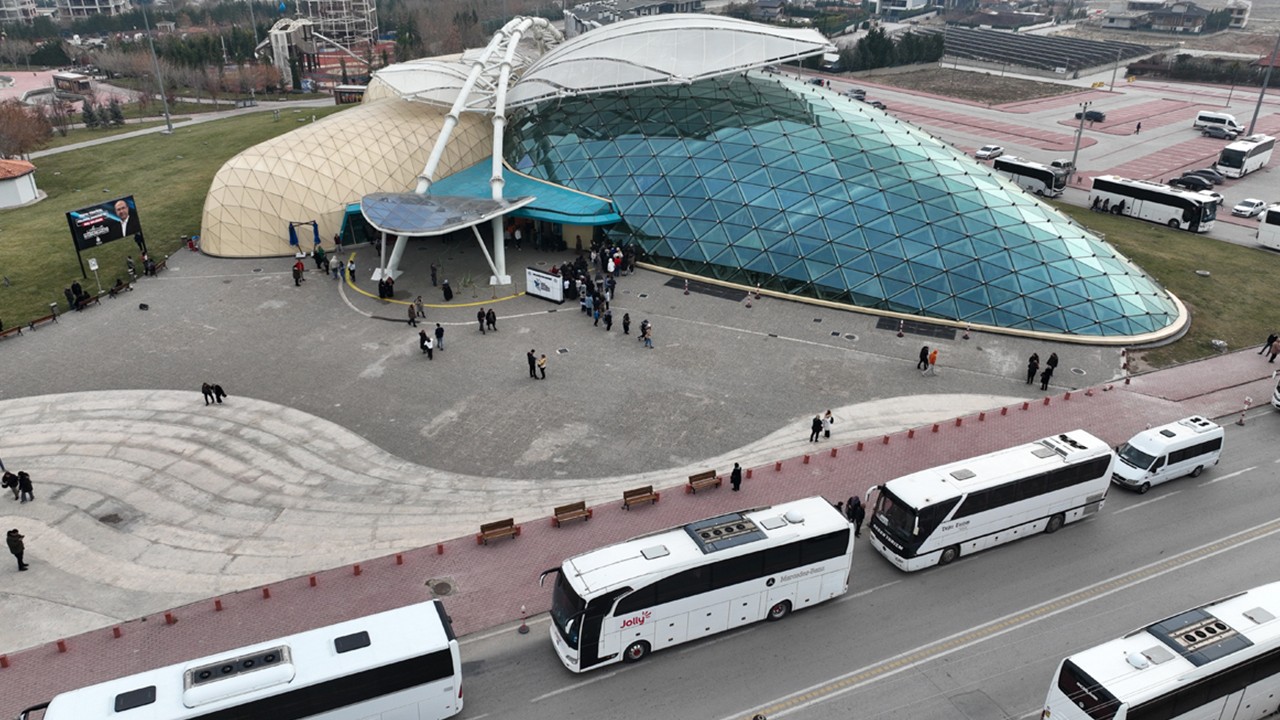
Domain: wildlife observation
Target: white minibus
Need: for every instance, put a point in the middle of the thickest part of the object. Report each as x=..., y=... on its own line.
x=1185, y=447
x=1206, y=118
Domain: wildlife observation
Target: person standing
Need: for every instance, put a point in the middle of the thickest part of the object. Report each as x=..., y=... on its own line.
x=422, y=313
x=71, y=299
x=491, y=319
x=1033, y=366
x=856, y=513
x=351, y=270
x=337, y=269
x=815, y=428
x=218, y=394
x=480, y=319
x=596, y=315
x=10, y=481
x=24, y=486
x=1267, y=345
x=433, y=274
x=298, y=269
x=827, y=421
x=1045, y=376
x=626, y=323
x=542, y=365
x=608, y=320
x=923, y=364
x=1275, y=350
x=439, y=337
x=422, y=341
x=207, y=390
x=648, y=335
x=933, y=362
x=413, y=315
x=448, y=291
x=1052, y=362
x=517, y=236
x=735, y=477
x=16, y=546
x=319, y=257
x=533, y=365
x=428, y=346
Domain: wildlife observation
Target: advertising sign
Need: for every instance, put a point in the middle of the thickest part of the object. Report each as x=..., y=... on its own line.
x=544, y=285
x=112, y=220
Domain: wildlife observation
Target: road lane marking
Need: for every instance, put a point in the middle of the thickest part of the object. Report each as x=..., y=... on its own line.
x=1148, y=502
x=866, y=592
x=1228, y=476
x=856, y=679
x=575, y=686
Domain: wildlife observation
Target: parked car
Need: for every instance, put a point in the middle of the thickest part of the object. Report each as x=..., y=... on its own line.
x=855, y=93
x=1192, y=182
x=876, y=104
x=1249, y=207
x=1063, y=164
x=1209, y=174
x=1093, y=115
x=1218, y=132
x=989, y=152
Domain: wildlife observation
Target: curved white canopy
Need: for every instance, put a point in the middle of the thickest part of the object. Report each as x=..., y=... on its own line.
x=661, y=50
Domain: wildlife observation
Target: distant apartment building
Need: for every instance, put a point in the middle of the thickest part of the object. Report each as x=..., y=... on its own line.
x=1239, y=13
x=589, y=16
x=88, y=8
x=17, y=11
x=348, y=22
x=891, y=8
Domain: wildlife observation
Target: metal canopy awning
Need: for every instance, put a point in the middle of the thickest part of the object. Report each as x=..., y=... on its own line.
x=552, y=203
x=428, y=215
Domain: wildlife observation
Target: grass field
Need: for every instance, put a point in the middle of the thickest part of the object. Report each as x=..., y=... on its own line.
x=1233, y=303
x=167, y=175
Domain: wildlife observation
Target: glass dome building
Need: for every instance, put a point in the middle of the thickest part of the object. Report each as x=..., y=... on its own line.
x=753, y=179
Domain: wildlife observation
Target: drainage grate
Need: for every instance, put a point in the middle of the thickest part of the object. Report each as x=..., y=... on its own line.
x=707, y=289
x=915, y=327
x=1078, y=371
x=441, y=587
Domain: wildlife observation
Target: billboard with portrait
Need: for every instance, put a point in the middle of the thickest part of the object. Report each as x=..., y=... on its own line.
x=99, y=224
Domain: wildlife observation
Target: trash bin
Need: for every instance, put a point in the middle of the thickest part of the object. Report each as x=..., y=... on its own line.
x=191, y=243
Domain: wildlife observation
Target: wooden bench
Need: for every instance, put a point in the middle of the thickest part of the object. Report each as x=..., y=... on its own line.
x=51, y=317
x=159, y=265
x=573, y=511
x=88, y=300
x=15, y=330
x=115, y=290
x=702, y=481
x=639, y=495
x=497, y=530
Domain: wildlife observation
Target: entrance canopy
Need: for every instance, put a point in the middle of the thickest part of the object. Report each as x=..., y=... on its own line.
x=551, y=202
x=427, y=215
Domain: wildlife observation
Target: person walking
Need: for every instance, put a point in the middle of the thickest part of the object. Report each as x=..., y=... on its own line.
x=608, y=320
x=1033, y=366
x=1137, y=129
x=735, y=477
x=933, y=362
x=16, y=546
x=924, y=359
x=533, y=365
x=596, y=315
x=207, y=390
x=1275, y=350
x=439, y=337
x=24, y=486
x=480, y=318
x=418, y=305
x=413, y=315
x=298, y=269
x=319, y=257
x=491, y=319
x=815, y=428
x=337, y=269
x=626, y=323
x=827, y=421
x=1045, y=377
x=855, y=513
x=648, y=335
x=422, y=341
x=542, y=365
x=218, y=394
x=1267, y=345
x=429, y=346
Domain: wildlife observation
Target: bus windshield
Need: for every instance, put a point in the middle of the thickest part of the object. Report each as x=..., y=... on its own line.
x=1135, y=457
x=897, y=517
x=567, y=609
x=1209, y=211
x=1231, y=158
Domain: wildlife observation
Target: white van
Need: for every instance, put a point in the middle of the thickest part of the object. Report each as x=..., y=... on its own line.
x=1205, y=118
x=1185, y=447
x=1275, y=397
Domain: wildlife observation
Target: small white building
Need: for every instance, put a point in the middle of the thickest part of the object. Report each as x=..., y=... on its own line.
x=17, y=184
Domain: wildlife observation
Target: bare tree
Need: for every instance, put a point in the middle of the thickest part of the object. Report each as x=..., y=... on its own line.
x=13, y=51
x=21, y=130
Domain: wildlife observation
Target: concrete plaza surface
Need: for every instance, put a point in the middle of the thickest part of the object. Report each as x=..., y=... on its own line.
x=341, y=443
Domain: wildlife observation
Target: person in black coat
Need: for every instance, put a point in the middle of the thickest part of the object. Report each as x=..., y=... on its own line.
x=735, y=477
x=448, y=291
x=855, y=513
x=1045, y=377
x=207, y=390
x=815, y=429
x=533, y=365
x=24, y=486
x=10, y=481
x=1267, y=345
x=1033, y=366
x=924, y=359
x=16, y=546
x=218, y=394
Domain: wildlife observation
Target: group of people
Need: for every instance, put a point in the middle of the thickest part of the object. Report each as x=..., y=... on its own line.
x=1101, y=204
x=537, y=364
x=76, y=296
x=487, y=319
x=148, y=265
x=1033, y=365
x=387, y=287
x=427, y=344
x=213, y=393
x=19, y=484
x=928, y=363
x=1271, y=347
x=821, y=426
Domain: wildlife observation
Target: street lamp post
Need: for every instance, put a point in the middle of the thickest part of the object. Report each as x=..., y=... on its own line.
x=1266, y=80
x=1075, y=152
x=1115, y=70
x=155, y=62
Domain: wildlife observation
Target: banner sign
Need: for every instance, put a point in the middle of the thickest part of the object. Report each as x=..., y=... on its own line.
x=544, y=285
x=112, y=220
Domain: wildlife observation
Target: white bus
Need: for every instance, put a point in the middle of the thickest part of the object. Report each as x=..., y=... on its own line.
x=1220, y=661
x=934, y=516
x=392, y=665
x=1245, y=155
x=1269, y=227
x=1033, y=176
x=623, y=601
x=1151, y=201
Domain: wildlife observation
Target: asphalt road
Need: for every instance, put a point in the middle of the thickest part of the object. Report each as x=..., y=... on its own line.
x=977, y=640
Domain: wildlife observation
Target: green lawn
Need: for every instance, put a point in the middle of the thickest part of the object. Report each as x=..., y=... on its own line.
x=167, y=175
x=1233, y=303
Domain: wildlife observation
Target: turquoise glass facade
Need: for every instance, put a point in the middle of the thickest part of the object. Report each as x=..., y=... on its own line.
x=756, y=179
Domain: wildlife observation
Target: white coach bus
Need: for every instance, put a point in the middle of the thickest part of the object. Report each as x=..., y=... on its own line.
x=623, y=601
x=398, y=664
x=1269, y=227
x=1220, y=661
x=1245, y=155
x=934, y=516
x=1033, y=177
x=1179, y=209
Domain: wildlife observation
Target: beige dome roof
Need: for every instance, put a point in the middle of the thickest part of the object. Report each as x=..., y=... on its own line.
x=314, y=172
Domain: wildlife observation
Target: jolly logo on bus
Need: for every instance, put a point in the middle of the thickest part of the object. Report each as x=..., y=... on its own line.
x=638, y=620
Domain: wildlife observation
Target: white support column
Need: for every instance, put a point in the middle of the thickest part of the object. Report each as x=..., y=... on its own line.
x=393, y=263
x=499, y=262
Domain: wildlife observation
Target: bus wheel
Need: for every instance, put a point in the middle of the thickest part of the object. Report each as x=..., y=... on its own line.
x=1055, y=524
x=1039, y=192
x=1174, y=224
x=1196, y=473
x=1143, y=488
x=948, y=555
x=780, y=610
x=636, y=651
x=1115, y=209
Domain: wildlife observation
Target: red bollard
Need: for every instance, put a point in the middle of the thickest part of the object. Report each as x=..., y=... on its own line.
x=169, y=619
x=116, y=633
x=4, y=661
x=62, y=646
x=806, y=458
x=859, y=448
x=1046, y=399
x=266, y=593
x=833, y=452
x=899, y=328
x=1126, y=379
x=982, y=417
x=1004, y=411
x=399, y=559
x=357, y=570
x=885, y=441
x=1067, y=396
x=777, y=466
x=911, y=433
x=958, y=421
x=311, y=581
x=749, y=473
x=439, y=548
x=935, y=427
x=1026, y=405
x=217, y=605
